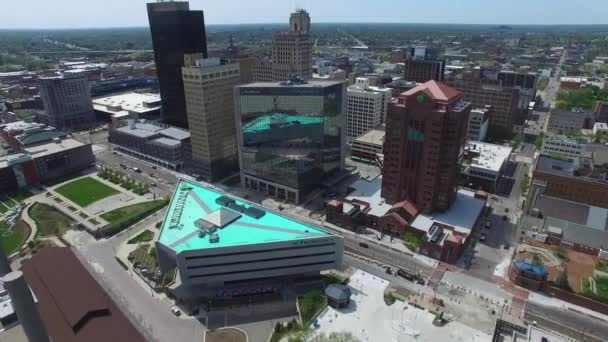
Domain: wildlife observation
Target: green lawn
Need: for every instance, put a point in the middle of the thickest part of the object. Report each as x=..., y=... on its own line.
x=12, y=240
x=85, y=191
x=602, y=266
x=311, y=303
x=123, y=218
x=145, y=236
x=49, y=220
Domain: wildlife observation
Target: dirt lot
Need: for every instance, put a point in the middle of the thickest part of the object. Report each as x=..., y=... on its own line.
x=225, y=335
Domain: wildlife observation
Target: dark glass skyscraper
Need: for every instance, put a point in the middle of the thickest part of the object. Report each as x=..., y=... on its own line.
x=176, y=31
x=290, y=136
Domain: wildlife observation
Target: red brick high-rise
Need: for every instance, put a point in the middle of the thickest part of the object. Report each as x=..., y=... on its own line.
x=425, y=136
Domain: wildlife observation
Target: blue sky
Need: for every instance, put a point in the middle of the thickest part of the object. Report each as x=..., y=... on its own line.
x=121, y=13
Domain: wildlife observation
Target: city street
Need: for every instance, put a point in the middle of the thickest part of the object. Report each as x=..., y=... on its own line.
x=147, y=312
x=578, y=325
x=549, y=95
x=162, y=183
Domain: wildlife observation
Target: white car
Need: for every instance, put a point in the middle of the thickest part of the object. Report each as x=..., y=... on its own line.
x=176, y=311
x=483, y=237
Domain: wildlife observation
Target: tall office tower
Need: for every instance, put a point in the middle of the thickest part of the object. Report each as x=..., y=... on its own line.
x=424, y=142
x=482, y=89
x=67, y=101
x=422, y=66
x=366, y=107
x=292, y=50
x=209, y=88
x=176, y=31
x=290, y=135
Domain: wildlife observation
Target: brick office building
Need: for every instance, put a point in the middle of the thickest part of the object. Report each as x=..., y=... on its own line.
x=578, y=180
x=425, y=134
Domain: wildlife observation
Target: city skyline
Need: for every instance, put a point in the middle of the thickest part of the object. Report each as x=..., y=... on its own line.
x=115, y=13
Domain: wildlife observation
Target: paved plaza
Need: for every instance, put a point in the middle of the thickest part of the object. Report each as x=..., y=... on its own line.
x=370, y=319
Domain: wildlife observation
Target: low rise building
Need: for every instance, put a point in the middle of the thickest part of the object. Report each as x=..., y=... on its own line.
x=225, y=248
x=368, y=148
x=574, y=120
x=600, y=127
x=442, y=235
x=445, y=235
x=44, y=162
x=483, y=164
x=561, y=145
x=578, y=180
x=601, y=110
x=479, y=121
x=528, y=276
x=154, y=142
x=72, y=304
x=571, y=83
x=127, y=106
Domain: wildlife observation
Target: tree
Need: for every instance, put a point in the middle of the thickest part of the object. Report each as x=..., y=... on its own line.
x=538, y=143
x=516, y=142
x=525, y=184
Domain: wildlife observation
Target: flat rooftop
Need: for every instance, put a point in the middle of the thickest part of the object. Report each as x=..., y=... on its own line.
x=122, y=104
x=370, y=192
x=491, y=157
x=53, y=147
x=195, y=208
x=373, y=137
x=308, y=84
x=462, y=215
x=579, y=213
x=568, y=168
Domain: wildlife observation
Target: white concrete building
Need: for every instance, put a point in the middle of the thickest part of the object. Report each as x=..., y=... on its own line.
x=127, y=106
x=484, y=163
x=479, y=119
x=563, y=146
x=600, y=127
x=366, y=107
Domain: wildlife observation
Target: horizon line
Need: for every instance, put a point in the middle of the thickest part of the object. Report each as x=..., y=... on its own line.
x=286, y=24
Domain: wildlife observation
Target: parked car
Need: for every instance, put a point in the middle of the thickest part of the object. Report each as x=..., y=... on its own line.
x=488, y=224
x=483, y=237
x=176, y=311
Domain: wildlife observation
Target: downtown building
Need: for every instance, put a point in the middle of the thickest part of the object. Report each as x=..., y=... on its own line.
x=226, y=248
x=290, y=135
x=417, y=194
x=41, y=154
x=366, y=107
x=209, y=88
x=176, y=31
x=509, y=94
x=291, y=52
x=67, y=101
x=422, y=66
x=425, y=136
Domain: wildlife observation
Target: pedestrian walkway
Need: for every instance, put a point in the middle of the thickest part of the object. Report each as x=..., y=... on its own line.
x=436, y=277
